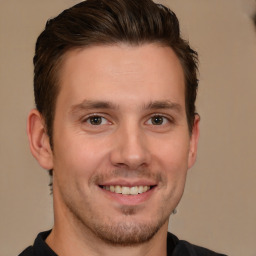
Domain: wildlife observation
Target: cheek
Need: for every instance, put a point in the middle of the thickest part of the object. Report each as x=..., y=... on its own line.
x=173, y=153
x=172, y=159
x=79, y=156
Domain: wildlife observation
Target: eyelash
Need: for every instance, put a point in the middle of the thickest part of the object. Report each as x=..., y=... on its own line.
x=87, y=118
x=166, y=119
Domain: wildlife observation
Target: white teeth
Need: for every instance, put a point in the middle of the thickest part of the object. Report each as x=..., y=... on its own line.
x=134, y=190
x=127, y=190
x=118, y=189
x=140, y=189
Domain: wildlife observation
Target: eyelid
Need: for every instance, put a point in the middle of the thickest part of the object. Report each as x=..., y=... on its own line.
x=102, y=115
x=168, y=117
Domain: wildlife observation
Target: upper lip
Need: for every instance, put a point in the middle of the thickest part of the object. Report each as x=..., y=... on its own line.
x=129, y=183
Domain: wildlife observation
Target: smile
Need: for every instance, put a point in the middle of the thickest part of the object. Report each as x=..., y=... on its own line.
x=127, y=190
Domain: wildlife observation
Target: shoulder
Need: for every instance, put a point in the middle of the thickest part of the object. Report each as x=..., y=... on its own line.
x=27, y=252
x=39, y=248
x=184, y=248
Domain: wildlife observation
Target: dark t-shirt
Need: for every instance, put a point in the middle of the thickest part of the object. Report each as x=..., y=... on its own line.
x=175, y=247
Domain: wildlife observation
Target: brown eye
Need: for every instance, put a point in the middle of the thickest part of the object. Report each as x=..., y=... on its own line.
x=95, y=120
x=157, y=120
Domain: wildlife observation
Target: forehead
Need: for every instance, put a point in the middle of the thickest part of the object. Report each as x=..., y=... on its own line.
x=121, y=73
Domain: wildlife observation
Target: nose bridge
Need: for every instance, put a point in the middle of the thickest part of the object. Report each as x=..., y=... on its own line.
x=131, y=146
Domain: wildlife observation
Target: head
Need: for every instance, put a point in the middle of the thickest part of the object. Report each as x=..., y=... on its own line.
x=115, y=88
x=102, y=22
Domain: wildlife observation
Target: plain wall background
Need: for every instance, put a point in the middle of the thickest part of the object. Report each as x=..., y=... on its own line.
x=218, y=209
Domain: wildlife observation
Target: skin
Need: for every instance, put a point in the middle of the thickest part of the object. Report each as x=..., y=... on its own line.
x=141, y=137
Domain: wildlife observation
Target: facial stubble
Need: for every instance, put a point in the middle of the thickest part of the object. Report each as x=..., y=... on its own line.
x=127, y=230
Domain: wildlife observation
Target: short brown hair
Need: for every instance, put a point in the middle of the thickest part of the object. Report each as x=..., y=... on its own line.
x=100, y=22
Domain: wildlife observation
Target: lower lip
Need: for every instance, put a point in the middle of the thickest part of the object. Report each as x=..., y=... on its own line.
x=129, y=199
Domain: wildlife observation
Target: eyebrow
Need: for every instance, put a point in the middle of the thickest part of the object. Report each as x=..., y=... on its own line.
x=152, y=105
x=165, y=104
x=91, y=104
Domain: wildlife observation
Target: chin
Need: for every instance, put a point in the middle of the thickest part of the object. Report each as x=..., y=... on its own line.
x=128, y=231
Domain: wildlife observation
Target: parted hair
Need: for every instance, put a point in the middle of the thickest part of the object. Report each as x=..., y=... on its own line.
x=107, y=22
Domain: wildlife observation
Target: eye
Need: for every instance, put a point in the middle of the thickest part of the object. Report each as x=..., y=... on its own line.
x=96, y=120
x=157, y=120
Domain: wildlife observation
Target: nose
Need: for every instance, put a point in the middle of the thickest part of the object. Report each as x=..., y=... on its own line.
x=130, y=149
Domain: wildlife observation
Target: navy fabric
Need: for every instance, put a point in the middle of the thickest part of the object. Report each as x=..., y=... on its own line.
x=40, y=247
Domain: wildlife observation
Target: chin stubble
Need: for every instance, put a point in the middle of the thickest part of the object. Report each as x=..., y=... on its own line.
x=125, y=231
x=128, y=233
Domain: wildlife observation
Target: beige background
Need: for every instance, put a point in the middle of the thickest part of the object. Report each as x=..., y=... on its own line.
x=218, y=209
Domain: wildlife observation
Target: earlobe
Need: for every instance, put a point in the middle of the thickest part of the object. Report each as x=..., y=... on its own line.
x=194, y=142
x=39, y=140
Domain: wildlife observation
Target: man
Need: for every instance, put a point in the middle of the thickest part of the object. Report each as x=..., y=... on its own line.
x=115, y=123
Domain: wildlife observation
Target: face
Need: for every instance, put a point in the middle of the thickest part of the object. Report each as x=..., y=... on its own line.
x=121, y=142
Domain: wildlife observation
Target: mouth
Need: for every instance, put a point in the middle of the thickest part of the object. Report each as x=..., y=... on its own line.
x=124, y=190
x=129, y=193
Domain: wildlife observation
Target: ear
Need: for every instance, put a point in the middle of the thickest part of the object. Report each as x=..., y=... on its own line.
x=193, y=142
x=39, y=140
